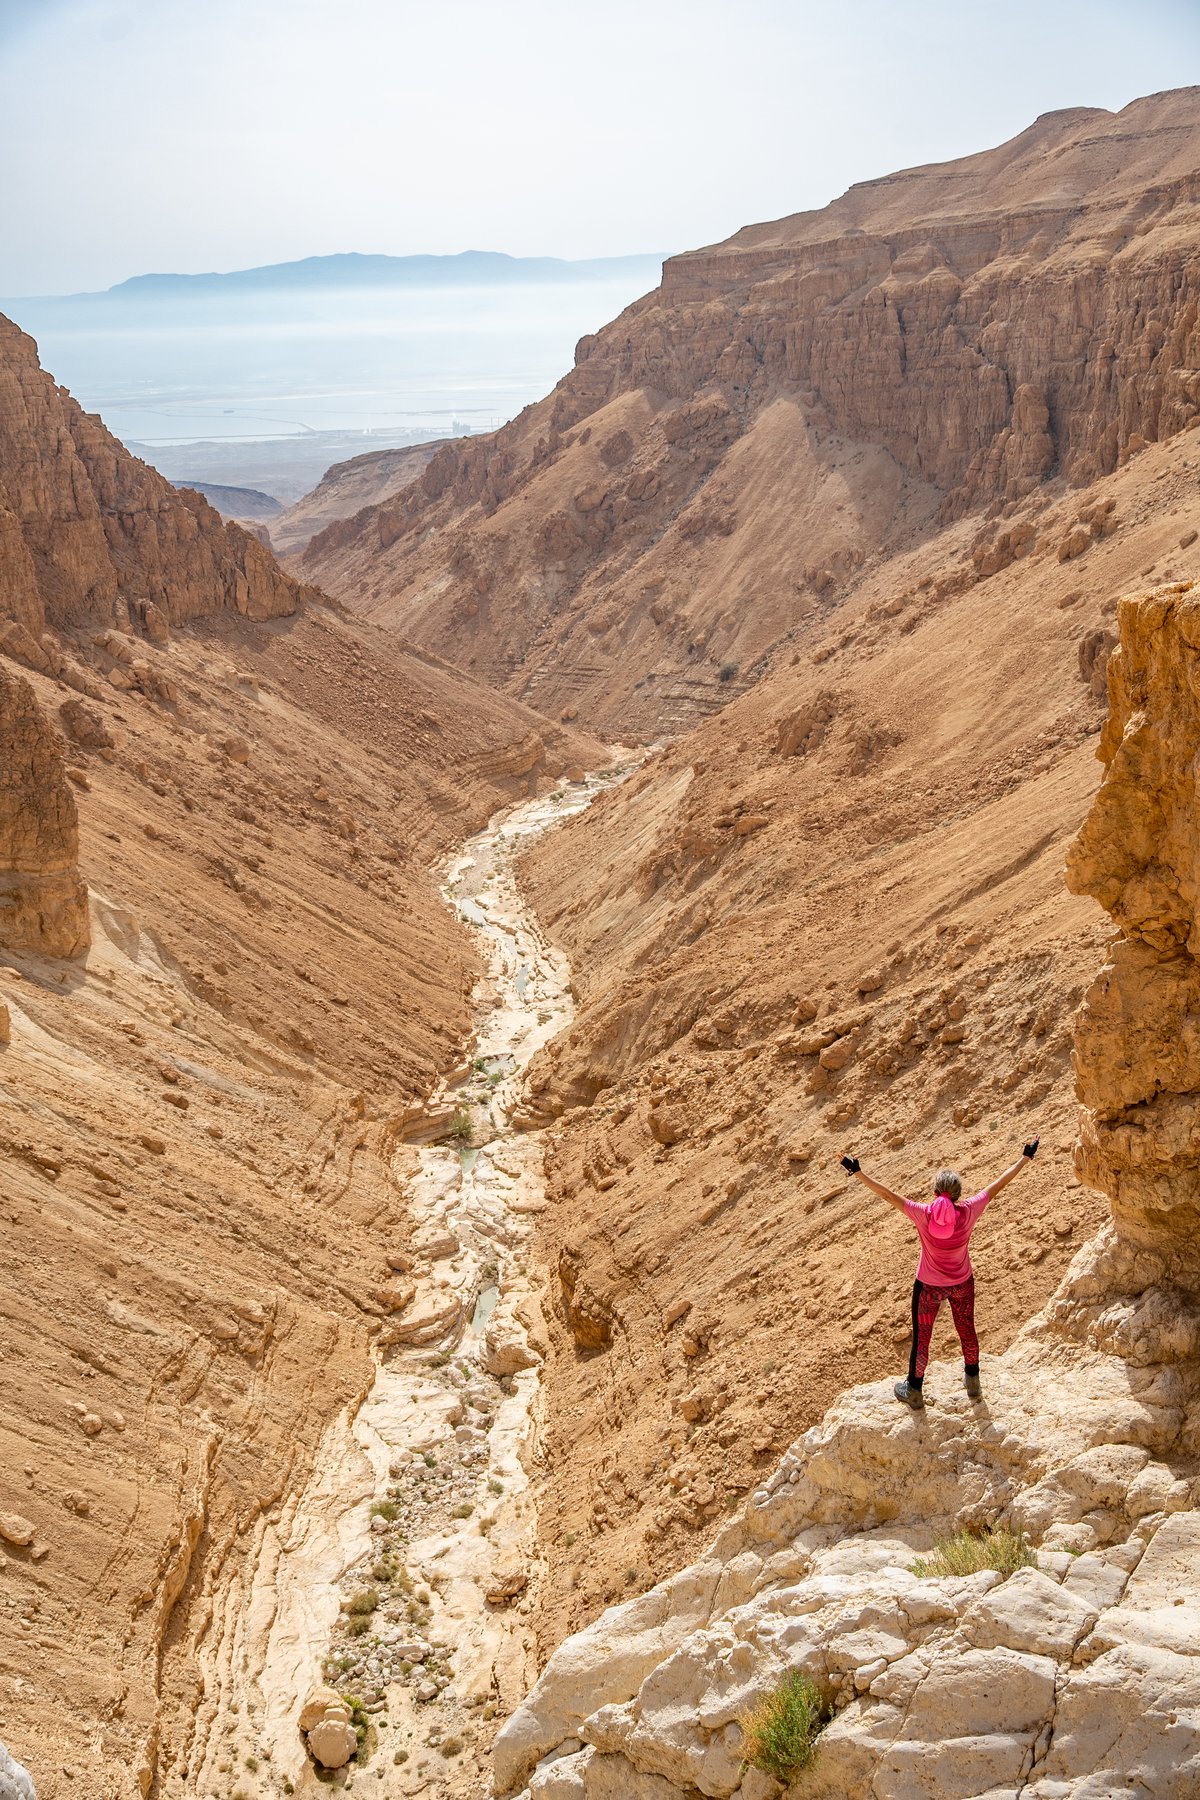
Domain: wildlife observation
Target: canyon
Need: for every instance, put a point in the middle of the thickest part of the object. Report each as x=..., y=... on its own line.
x=789, y=411
x=442, y=973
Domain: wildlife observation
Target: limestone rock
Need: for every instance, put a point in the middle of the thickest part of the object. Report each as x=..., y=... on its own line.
x=333, y=1743
x=15, y=1530
x=16, y=1783
x=1137, y=1044
x=43, y=899
x=84, y=726
x=508, y=1580
x=322, y=1702
x=325, y=1723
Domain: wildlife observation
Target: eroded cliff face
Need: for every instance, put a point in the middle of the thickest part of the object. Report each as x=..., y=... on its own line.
x=204, y=1117
x=90, y=536
x=43, y=898
x=1138, y=1038
x=1077, y=1676
x=733, y=454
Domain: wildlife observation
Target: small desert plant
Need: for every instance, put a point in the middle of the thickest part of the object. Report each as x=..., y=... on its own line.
x=358, y=1626
x=385, y=1509
x=462, y=1511
x=781, y=1732
x=461, y=1128
x=967, y=1552
x=451, y=1746
x=365, y=1601
x=727, y=671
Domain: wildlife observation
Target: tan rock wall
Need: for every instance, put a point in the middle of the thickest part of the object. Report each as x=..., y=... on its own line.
x=43, y=898
x=88, y=534
x=1138, y=1037
x=728, y=456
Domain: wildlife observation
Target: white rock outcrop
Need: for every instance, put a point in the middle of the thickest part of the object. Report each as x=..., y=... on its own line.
x=16, y=1783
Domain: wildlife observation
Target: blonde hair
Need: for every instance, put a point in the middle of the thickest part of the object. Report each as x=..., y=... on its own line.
x=948, y=1183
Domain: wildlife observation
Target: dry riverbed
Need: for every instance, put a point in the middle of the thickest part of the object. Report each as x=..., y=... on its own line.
x=402, y=1577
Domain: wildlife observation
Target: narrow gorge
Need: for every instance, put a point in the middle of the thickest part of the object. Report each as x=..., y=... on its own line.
x=440, y=974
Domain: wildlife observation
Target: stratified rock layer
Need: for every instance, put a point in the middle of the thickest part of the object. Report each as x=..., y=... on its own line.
x=43, y=898
x=729, y=455
x=90, y=535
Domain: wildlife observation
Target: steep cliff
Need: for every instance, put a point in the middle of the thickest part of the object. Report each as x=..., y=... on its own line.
x=90, y=536
x=740, y=448
x=204, y=1114
x=1077, y=1675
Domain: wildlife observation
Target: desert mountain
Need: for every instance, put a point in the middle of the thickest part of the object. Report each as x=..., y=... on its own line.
x=348, y=488
x=228, y=985
x=895, y=463
x=747, y=445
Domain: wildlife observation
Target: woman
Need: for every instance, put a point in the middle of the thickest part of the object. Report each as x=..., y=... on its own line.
x=944, y=1226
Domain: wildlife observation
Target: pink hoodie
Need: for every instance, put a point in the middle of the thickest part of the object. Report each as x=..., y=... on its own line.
x=945, y=1261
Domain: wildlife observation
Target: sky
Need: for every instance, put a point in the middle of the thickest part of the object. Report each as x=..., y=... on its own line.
x=172, y=135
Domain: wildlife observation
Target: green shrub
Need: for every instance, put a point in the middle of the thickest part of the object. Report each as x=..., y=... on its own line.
x=358, y=1626
x=461, y=1128
x=365, y=1601
x=781, y=1732
x=967, y=1552
x=727, y=671
x=385, y=1509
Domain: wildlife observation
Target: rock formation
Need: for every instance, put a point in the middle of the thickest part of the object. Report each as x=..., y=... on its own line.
x=43, y=898
x=728, y=458
x=15, y=1783
x=1136, y=1049
x=201, y=1140
x=348, y=488
x=91, y=537
x=832, y=917
x=1076, y=1676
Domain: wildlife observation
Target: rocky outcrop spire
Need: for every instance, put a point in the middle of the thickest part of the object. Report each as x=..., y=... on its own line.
x=43, y=898
x=1138, y=1034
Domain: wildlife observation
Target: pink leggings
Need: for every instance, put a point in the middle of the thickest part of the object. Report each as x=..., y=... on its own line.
x=926, y=1304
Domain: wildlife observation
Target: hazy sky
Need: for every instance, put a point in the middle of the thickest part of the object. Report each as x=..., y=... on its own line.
x=144, y=135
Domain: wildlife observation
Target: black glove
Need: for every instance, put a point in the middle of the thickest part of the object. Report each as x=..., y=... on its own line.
x=850, y=1163
x=1030, y=1149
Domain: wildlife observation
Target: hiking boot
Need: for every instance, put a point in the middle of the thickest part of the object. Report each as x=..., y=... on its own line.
x=911, y=1396
x=972, y=1385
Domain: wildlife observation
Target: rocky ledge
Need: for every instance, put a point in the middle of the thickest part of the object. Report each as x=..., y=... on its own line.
x=1076, y=1677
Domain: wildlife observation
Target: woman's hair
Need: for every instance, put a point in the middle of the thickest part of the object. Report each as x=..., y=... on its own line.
x=948, y=1183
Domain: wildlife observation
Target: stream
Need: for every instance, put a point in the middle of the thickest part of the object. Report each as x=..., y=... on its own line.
x=403, y=1575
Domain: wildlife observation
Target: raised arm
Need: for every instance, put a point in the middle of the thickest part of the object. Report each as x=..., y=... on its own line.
x=1002, y=1181
x=851, y=1163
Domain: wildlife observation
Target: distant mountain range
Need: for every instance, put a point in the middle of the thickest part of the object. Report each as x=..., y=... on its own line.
x=353, y=272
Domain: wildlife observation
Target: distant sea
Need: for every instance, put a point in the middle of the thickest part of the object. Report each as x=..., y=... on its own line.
x=203, y=378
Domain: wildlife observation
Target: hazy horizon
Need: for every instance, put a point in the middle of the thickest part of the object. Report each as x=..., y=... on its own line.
x=154, y=136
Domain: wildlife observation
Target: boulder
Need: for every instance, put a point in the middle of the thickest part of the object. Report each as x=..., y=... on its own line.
x=16, y=1783
x=332, y=1743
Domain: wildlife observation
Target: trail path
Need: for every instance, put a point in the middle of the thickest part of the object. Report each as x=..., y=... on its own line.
x=422, y=1506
